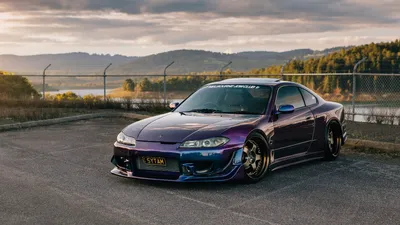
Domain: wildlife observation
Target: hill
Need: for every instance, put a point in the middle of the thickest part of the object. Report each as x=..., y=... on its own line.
x=68, y=63
x=381, y=58
x=197, y=61
x=186, y=61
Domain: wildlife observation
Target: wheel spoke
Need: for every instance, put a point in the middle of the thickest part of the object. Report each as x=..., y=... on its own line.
x=330, y=137
x=254, y=148
x=246, y=150
x=254, y=166
x=258, y=157
x=246, y=164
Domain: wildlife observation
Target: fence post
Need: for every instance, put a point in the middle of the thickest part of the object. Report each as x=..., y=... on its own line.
x=282, y=70
x=105, y=85
x=354, y=86
x=220, y=72
x=165, y=82
x=44, y=81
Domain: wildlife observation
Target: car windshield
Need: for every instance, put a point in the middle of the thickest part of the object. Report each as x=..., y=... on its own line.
x=226, y=98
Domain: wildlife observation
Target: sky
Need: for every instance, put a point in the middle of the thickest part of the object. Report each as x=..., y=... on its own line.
x=144, y=27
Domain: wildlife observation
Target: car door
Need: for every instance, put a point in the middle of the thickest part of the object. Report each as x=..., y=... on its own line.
x=312, y=102
x=293, y=132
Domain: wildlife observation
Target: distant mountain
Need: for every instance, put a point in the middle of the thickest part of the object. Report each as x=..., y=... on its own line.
x=186, y=61
x=327, y=51
x=69, y=63
x=197, y=61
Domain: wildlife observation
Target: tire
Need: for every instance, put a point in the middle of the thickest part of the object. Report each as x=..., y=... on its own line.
x=256, y=158
x=333, y=141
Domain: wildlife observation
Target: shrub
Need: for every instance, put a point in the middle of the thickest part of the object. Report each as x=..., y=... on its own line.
x=155, y=106
x=16, y=87
x=67, y=96
x=128, y=85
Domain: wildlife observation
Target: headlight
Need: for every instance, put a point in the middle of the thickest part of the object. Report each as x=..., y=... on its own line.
x=206, y=143
x=123, y=139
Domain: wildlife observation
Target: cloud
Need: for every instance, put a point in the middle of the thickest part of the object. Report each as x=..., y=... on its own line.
x=168, y=29
x=206, y=24
x=355, y=10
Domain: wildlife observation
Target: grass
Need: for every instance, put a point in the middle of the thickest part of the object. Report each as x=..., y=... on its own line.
x=22, y=110
x=120, y=93
x=372, y=151
x=373, y=131
x=13, y=115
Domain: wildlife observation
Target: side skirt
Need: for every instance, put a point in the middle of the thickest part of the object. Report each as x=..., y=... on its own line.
x=297, y=160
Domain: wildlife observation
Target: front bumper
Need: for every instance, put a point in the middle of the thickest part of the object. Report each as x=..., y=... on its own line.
x=205, y=165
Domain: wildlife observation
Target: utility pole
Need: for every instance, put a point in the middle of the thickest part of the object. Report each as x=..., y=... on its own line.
x=222, y=69
x=44, y=81
x=165, y=82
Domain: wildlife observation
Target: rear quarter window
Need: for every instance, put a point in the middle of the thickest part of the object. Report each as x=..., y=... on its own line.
x=309, y=98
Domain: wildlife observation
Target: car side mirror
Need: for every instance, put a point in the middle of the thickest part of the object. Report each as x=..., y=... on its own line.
x=173, y=105
x=286, y=109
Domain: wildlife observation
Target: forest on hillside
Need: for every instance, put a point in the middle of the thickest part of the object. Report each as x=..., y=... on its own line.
x=381, y=58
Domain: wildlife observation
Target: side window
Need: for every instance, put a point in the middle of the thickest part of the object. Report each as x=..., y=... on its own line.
x=289, y=95
x=309, y=98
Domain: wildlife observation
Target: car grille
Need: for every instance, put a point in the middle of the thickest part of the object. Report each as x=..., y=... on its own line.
x=172, y=165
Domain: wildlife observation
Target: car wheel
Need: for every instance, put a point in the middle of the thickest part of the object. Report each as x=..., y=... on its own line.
x=255, y=158
x=333, y=141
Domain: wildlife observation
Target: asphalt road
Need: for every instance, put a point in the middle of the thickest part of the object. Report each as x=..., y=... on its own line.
x=60, y=175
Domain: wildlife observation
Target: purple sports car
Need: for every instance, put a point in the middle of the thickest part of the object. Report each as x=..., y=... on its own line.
x=235, y=129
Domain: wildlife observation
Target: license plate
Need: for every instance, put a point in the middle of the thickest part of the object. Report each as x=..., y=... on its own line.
x=154, y=161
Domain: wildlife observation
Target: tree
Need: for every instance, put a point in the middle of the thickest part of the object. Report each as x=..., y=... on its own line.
x=128, y=85
x=382, y=58
x=67, y=96
x=146, y=85
x=16, y=87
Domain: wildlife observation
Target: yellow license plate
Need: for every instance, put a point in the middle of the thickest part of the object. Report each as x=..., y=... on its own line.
x=155, y=161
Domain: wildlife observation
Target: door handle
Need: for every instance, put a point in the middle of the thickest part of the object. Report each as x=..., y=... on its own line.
x=309, y=118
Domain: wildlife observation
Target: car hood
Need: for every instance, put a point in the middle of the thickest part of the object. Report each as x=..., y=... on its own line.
x=175, y=127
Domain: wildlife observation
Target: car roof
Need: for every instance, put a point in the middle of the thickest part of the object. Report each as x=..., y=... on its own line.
x=258, y=81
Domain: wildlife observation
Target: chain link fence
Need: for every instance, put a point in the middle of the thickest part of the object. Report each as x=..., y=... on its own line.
x=367, y=97
x=378, y=98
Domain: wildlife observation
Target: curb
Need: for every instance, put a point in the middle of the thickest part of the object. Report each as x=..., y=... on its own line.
x=132, y=116
x=383, y=146
x=355, y=143
x=48, y=122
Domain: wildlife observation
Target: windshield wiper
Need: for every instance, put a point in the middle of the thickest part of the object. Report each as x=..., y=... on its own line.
x=205, y=111
x=242, y=112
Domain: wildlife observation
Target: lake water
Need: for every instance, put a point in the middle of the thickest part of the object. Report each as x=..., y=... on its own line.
x=375, y=110
x=82, y=92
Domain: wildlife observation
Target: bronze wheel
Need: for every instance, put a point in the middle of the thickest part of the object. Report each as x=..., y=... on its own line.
x=255, y=157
